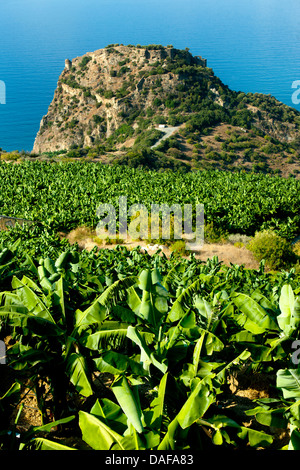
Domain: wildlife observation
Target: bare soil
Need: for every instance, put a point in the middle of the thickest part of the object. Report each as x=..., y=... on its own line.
x=227, y=253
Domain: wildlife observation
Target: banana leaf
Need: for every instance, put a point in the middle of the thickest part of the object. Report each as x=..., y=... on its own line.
x=255, y=438
x=157, y=405
x=254, y=318
x=196, y=405
x=97, y=434
x=147, y=357
x=178, y=309
x=128, y=402
x=289, y=318
x=40, y=443
x=111, y=333
x=294, y=443
x=288, y=380
x=79, y=374
x=30, y=300
x=115, y=363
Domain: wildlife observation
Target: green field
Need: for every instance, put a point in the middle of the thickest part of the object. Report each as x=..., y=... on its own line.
x=63, y=196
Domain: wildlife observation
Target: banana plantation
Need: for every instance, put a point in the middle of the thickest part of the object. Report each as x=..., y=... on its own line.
x=121, y=350
x=127, y=351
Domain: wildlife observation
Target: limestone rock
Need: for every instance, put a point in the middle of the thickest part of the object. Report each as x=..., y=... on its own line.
x=95, y=92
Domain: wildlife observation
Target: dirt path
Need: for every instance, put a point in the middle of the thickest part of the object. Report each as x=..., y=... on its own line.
x=168, y=131
x=227, y=252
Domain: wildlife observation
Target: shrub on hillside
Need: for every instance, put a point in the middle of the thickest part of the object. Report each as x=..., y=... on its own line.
x=296, y=248
x=214, y=234
x=275, y=250
x=178, y=248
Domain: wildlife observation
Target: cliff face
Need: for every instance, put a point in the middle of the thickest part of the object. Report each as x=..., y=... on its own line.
x=97, y=91
x=119, y=93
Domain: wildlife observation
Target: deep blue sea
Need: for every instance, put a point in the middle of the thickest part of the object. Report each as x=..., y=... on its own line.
x=253, y=46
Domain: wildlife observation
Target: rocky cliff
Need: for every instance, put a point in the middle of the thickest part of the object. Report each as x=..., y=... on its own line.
x=97, y=91
x=121, y=94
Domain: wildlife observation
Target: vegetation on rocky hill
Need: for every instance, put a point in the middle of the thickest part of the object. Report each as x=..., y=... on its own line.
x=112, y=101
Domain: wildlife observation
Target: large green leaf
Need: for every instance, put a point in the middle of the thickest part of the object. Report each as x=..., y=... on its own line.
x=288, y=380
x=286, y=301
x=97, y=434
x=128, y=402
x=178, y=308
x=42, y=327
x=116, y=291
x=153, y=304
x=47, y=427
x=79, y=373
x=294, y=443
x=157, y=405
x=96, y=313
x=256, y=438
x=111, y=413
x=31, y=300
x=58, y=297
x=204, y=308
x=187, y=322
x=147, y=357
x=111, y=333
x=254, y=318
x=289, y=318
x=116, y=363
x=169, y=440
x=269, y=417
x=196, y=405
x=40, y=443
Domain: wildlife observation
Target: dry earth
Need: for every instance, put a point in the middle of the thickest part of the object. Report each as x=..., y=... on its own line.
x=226, y=252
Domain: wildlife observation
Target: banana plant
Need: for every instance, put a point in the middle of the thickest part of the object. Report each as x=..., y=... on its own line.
x=8, y=403
x=48, y=333
x=267, y=328
x=165, y=424
x=163, y=333
x=111, y=425
x=143, y=311
x=282, y=412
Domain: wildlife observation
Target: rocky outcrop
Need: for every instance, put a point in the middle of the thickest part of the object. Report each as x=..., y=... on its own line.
x=96, y=91
x=116, y=93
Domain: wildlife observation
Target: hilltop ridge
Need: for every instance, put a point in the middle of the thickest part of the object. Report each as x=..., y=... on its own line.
x=99, y=91
x=115, y=101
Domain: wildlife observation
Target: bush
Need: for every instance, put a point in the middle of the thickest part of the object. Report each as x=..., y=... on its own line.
x=275, y=250
x=10, y=156
x=213, y=234
x=296, y=248
x=179, y=248
x=85, y=61
x=237, y=238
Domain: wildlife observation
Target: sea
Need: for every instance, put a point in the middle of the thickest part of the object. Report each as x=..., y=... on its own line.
x=252, y=46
